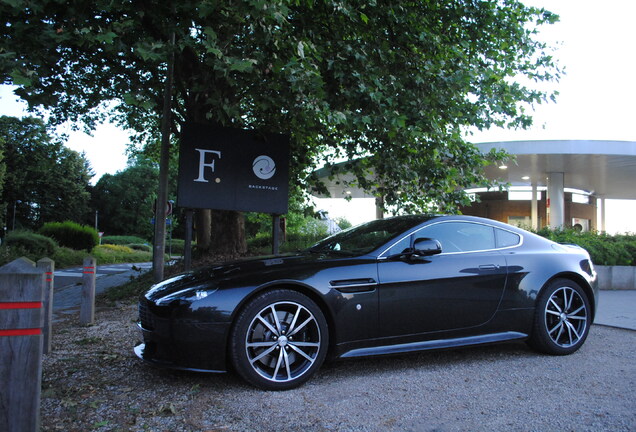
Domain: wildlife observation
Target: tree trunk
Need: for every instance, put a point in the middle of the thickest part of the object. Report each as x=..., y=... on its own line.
x=202, y=225
x=220, y=232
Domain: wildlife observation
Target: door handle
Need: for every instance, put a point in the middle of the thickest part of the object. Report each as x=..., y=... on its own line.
x=488, y=267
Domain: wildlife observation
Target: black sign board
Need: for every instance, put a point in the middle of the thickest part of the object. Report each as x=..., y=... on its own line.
x=233, y=169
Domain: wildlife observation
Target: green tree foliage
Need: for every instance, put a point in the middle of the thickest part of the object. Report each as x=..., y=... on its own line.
x=395, y=82
x=46, y=181
x=125, y=200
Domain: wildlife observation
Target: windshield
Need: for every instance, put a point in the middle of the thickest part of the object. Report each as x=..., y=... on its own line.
x=367, y=237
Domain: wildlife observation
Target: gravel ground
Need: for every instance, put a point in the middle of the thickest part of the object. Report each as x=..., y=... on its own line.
x=93, y=381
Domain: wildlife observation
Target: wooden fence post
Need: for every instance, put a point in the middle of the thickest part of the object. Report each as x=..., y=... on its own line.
x=87, y=307
x=48, y=265
x=21, y=319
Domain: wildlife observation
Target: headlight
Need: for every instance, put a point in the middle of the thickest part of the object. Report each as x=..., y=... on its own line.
x=188, y=295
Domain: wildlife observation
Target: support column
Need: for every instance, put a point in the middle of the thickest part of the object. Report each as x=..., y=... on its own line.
x=534, y=211
x=556, y=197
x=603, y=202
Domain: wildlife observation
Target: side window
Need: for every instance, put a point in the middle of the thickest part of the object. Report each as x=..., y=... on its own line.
x=506, y=238
x=461, y=236
x=400, y=246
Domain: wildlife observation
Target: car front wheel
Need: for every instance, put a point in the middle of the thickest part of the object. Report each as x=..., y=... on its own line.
x=279, y=340
x=562, y=318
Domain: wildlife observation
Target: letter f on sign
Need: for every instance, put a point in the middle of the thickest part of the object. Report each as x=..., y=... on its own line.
x=203, y=164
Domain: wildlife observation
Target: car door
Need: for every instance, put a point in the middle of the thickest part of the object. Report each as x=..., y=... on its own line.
x=459, y=288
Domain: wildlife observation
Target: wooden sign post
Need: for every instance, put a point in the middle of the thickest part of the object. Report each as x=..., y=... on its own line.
x=21, y=320
x=87, y=306
x=48, y=265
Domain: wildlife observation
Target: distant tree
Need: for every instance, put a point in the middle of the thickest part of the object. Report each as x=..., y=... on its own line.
x=125, y=200
x=46, y=181
x=392, y=83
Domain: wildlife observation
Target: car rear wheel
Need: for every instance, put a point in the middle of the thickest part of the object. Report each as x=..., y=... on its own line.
x=279, y=340
x=562, y=318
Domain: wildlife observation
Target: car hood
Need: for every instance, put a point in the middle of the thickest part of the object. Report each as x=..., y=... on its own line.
x=256, y=269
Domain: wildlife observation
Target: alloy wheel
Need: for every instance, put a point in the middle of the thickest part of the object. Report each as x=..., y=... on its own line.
x=566, y=317
x=283, y=341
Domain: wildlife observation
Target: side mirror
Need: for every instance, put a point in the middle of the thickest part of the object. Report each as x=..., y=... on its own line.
x=426, y=247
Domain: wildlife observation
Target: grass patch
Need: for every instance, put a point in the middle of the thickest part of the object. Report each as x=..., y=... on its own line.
x=131, y=290
x=113, y=254
x=123, y=240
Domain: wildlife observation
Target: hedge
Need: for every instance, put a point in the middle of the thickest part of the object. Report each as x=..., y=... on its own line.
x=71, y=234
x=30, y=244
x=604, y=249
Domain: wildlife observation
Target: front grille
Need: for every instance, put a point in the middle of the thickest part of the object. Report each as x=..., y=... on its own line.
x=146, y=318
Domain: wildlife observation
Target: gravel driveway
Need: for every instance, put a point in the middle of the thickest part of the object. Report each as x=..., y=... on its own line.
x=92, y=381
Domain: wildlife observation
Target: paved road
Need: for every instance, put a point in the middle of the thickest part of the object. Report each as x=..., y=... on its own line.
x=72, y=276
x=617, y=308
x=68, y=282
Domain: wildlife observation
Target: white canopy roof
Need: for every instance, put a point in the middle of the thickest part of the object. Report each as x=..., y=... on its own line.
x=605, y=168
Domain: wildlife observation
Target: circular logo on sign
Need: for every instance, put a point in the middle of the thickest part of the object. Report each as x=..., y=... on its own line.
x=264, y=167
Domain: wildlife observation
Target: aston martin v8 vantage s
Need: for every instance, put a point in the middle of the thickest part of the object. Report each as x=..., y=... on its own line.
x=396, y=285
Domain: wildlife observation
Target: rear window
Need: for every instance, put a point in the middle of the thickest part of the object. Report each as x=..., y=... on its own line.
x=506, y=238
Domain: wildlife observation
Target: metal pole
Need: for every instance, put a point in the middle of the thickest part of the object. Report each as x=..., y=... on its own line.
x=170, y=242
x=187, y=251
x=162, y=195
x=275, y=233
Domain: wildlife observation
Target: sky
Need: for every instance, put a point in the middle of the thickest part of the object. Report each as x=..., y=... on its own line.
x=596, y=45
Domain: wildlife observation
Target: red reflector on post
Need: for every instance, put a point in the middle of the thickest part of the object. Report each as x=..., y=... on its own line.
x=21, y=305
x=21, y=332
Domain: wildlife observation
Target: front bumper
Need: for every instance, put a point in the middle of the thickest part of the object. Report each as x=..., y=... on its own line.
x=141, y=352
x=172, y=338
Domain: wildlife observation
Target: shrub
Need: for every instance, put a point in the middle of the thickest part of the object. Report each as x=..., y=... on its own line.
x=28, y=244
x=314, y=227
x=604, y=249
x=140, y=247
x=66, y=257
x=178, y=246
x=31, y=243
x=71, y=235
x=298, y=241
x=123, y=240
x=343, y=223
x=261, y=243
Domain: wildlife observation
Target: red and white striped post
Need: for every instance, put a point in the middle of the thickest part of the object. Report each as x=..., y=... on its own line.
x=21, y=319
x=87, y=306
x=48, y=265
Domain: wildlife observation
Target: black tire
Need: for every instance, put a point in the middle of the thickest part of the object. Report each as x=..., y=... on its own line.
x=279, y=340
x=562, y=318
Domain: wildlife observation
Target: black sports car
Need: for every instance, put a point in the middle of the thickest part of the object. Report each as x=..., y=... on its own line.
x=394, y=285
